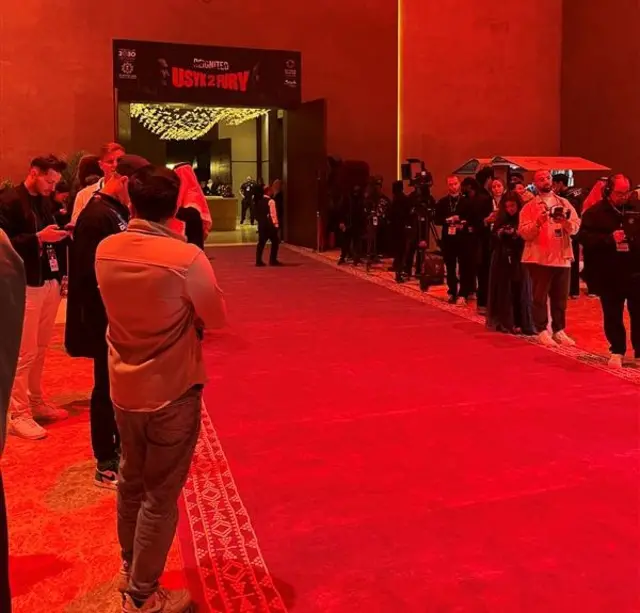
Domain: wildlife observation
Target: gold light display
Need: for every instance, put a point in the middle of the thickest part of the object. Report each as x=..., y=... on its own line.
x=182, y=122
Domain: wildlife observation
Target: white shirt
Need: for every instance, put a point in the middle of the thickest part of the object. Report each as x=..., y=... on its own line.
x=82, y=199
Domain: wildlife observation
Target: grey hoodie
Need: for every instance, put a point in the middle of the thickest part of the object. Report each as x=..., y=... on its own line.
x=12, y=301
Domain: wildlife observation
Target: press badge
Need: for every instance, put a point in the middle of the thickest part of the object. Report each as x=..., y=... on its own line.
x=557, y=232
x=622, y=247
x=53, y=259
x=375, y=221
x=452, y=230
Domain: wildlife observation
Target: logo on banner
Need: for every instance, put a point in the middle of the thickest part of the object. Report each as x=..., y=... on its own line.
x=291, y=73
x=127, y=58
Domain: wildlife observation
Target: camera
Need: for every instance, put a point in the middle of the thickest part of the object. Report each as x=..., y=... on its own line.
x=559, y=213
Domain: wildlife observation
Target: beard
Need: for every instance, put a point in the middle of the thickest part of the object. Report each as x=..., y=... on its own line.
x=547, y=189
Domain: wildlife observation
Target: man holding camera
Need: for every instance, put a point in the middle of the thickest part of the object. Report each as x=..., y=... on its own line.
x=547, y=223
x=610, y=232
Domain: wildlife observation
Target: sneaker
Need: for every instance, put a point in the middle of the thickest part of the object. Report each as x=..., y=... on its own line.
x=260, y=264
x=276, y=263
x=545, y=339
x=162, y=601
x=615, y=361
x=107, y=475
x=46, y=412
x=461, y=302
x=124, y=576
x=563, y=339
x=25, y=427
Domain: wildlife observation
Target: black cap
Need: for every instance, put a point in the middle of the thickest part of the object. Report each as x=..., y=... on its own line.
x=128, y=164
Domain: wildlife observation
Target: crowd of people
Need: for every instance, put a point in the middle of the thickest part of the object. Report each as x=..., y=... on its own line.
x=519, y=252
x=131, y=237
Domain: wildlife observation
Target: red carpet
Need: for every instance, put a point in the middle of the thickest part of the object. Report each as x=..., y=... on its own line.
x=394, y=458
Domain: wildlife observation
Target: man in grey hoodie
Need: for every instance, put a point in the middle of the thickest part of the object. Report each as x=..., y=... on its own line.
x=12, y=290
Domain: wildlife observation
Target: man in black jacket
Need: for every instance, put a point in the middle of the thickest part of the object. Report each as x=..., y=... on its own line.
x=615, y=269
x=26, y=215
x=268, y=226
x=352, y=223
x=483, y=205
x=13, y=292
x=106, y=213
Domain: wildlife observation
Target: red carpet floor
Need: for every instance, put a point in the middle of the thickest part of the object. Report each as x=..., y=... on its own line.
x=393, y=457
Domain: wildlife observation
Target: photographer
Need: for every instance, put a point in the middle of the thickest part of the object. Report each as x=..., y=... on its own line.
x=424, y=205
x=485, y=214
x=608, y=233
x=547, y=223
x=352, y=223
x=399, y=223
x=377, y=210
x=451, y=214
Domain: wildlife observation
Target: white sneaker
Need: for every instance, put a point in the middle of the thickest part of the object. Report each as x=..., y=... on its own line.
x=461, y=302
x=46, y=412
x=162, y=601
x=563, y=339
x=615, y=361
x=24, y=427
x=544, y=338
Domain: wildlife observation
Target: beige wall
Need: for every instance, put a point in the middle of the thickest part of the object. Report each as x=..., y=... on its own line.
x=56, y=72
x=244, y=161
x=601, y=83
x=480, y=79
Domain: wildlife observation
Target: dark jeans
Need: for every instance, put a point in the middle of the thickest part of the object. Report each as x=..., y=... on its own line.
x=5, y=591
x=105, y=439
x=613, y=300
x=549, y=283
x=157, y=448
x=264, y=235
x=574, y=289
x=350, y=243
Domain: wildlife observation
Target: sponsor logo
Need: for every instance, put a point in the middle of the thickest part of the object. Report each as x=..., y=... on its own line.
x=127, y=54
x=127, y=68
x=235, y=81
x=290, y=64
x=291, y=83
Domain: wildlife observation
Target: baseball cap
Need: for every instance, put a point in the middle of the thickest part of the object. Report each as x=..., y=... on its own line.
x=128, y=164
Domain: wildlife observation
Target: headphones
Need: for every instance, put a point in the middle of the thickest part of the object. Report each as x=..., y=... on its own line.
x=607, y=190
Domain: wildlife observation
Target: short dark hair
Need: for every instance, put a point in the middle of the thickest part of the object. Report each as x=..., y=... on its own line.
x=154, y=193
x=560, y=177
x=484, y=174
x=45, y=163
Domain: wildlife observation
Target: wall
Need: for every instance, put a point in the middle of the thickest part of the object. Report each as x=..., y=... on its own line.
x=480, y=79
x=601, y=83
x=55, y=66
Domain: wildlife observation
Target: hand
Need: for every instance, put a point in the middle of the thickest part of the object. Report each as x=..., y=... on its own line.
x=342, y=227
x=542, y=218
x=52, y=234
x=454, y=219
x=491, y=219
x=566, y=226
x=619, y=236
x=423, y=244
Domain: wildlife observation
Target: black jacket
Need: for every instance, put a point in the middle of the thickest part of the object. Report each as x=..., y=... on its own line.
x=21, y=221
x=608, y=268
x=85, y=333
x=447, y=207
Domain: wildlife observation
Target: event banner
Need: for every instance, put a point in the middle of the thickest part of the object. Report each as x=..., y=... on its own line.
x=217, y=76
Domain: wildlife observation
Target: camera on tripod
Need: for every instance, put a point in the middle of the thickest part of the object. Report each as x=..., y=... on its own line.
x=421, y=180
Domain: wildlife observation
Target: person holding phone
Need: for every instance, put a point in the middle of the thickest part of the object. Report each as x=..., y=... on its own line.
x=26, y=215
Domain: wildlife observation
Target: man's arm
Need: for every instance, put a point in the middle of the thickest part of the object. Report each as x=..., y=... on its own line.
x=529, y=227
x=591, y=232
x=12, y=290
x=25, y=243
x=206, y=296
x=573, y=223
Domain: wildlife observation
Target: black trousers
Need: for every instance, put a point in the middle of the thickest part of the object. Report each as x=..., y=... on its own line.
x=247, y=205
x=458, y=258
x=549, y=283
x=574, y=289
x=105, y=439
x=269, y=233
x=483, y=268
x=613, y=300
x=5, y=591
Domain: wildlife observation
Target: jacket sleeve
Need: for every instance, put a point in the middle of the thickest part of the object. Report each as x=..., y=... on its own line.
x=528, y=227
x=25, y=243
x=206, y=296
x=574, y=220
x=440, y=217
x=592, y=233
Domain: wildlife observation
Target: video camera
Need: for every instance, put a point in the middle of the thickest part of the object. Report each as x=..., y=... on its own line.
x=421, y=181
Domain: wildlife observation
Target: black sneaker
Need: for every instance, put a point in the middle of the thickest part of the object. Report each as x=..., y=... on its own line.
x=260, y=264
x=107, y=475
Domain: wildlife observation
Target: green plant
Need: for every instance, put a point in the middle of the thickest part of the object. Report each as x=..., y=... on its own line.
x=73, y=161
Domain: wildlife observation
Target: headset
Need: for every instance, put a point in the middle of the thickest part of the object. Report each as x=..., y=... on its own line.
x=610, y=183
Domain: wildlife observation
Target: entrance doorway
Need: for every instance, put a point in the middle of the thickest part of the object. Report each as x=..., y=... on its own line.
x=236, y=116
